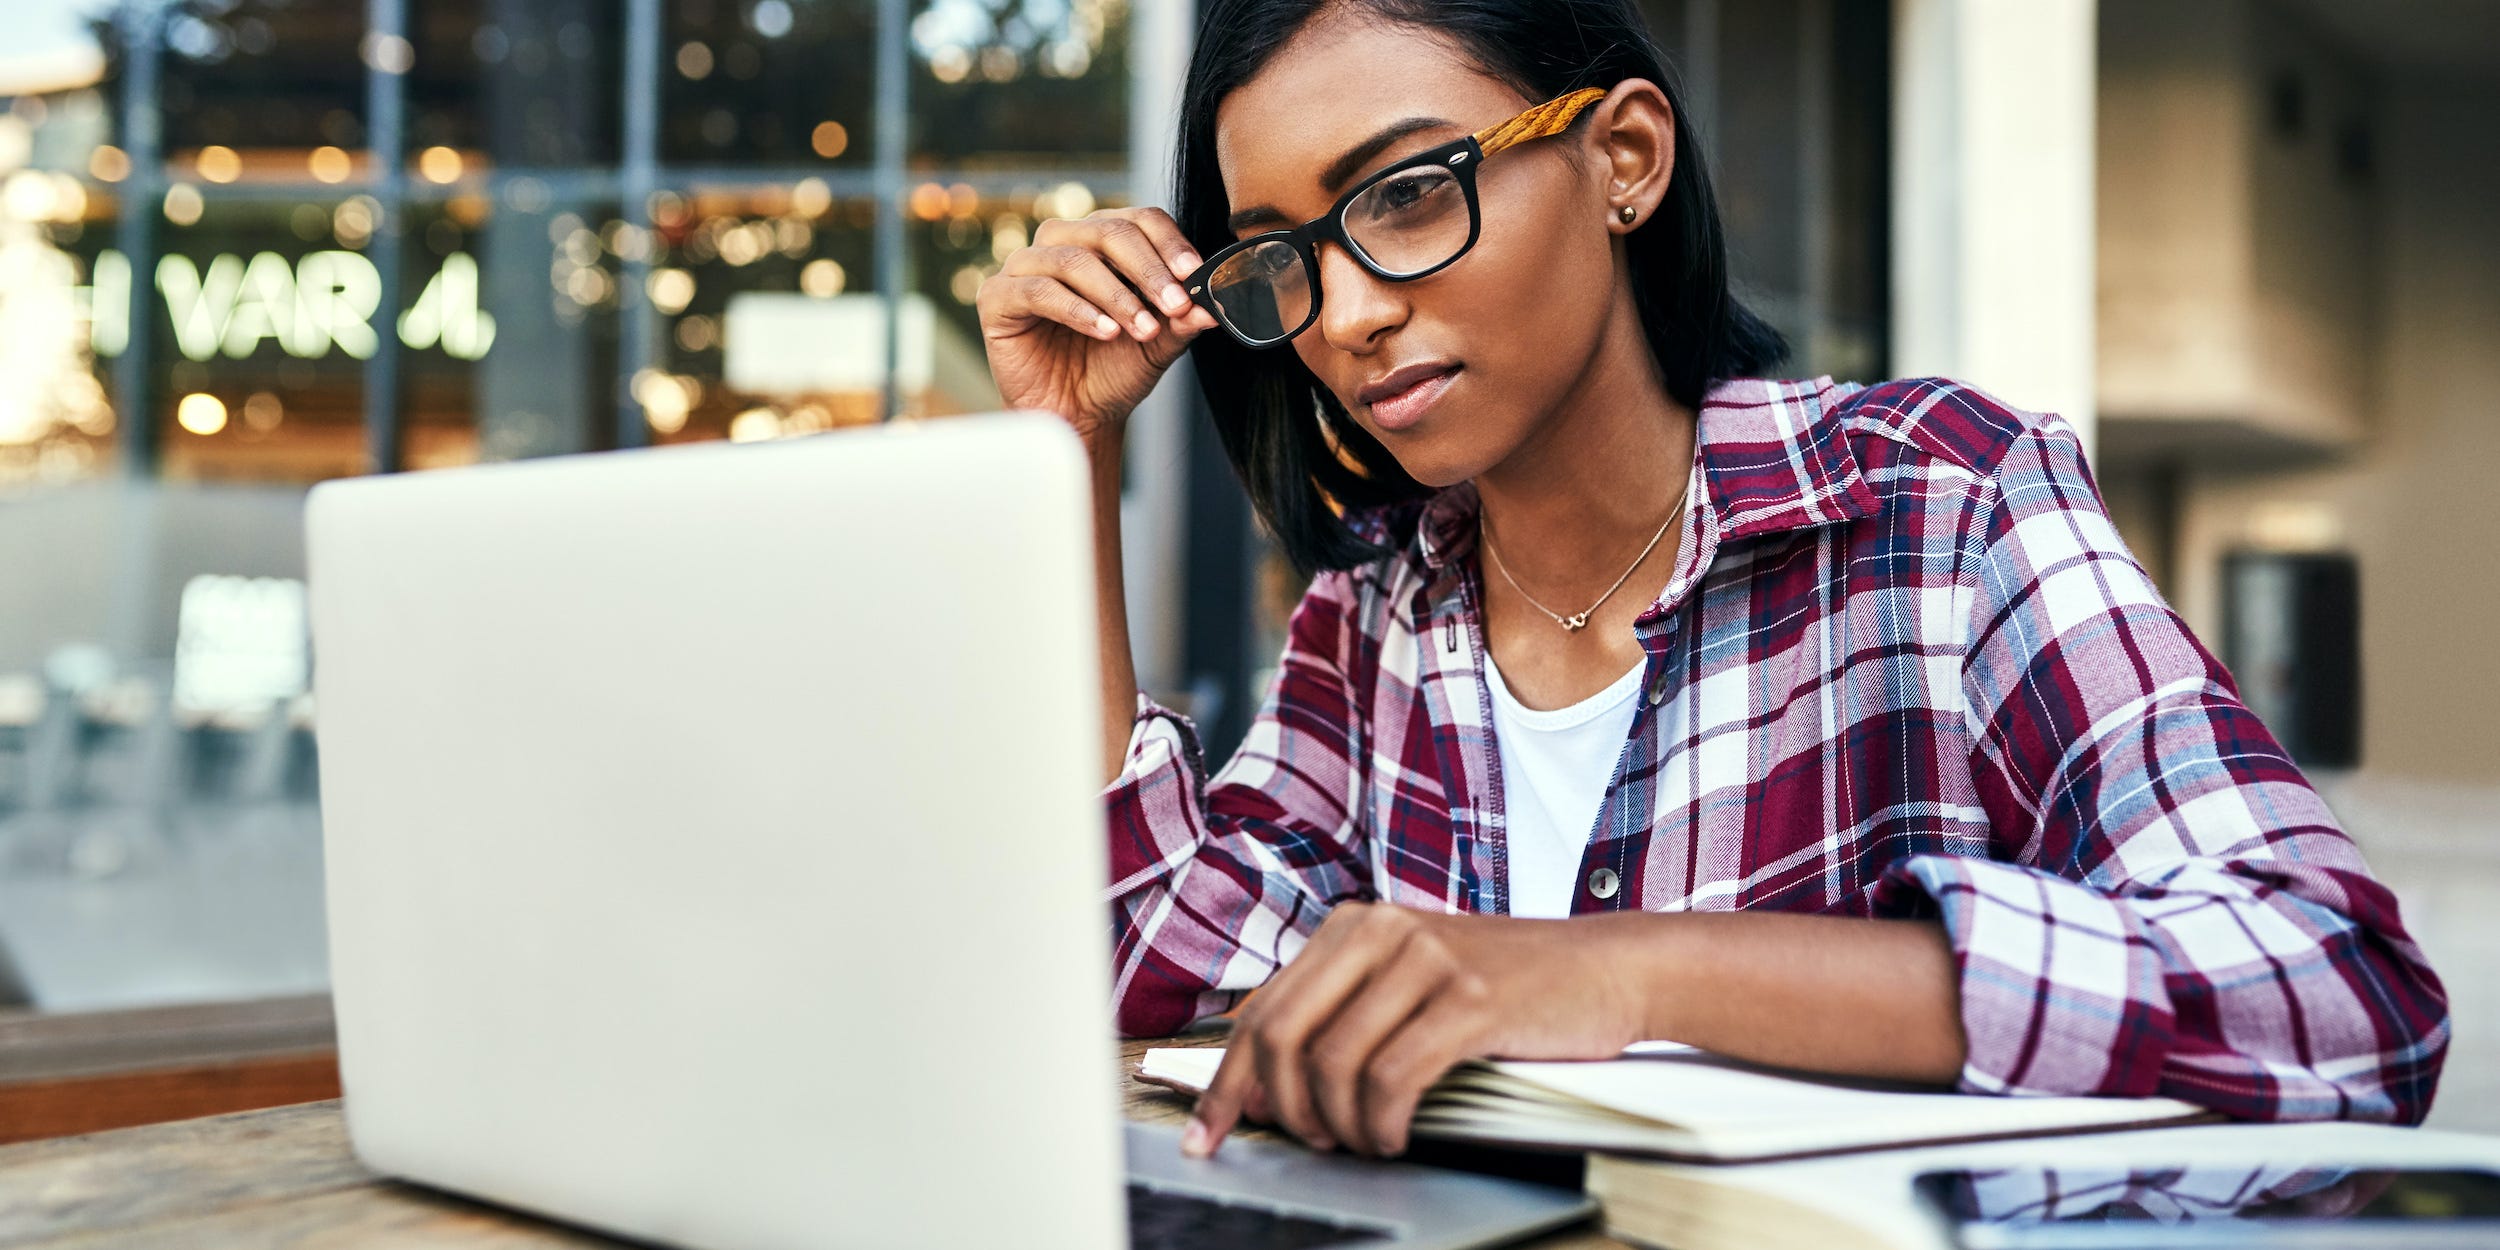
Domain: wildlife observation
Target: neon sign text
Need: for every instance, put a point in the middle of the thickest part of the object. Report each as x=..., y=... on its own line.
x=318, y=303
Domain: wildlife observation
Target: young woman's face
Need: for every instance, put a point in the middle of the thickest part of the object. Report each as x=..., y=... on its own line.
x=1506, y=331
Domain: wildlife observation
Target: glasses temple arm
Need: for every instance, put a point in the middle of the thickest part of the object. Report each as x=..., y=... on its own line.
x=1545, y=119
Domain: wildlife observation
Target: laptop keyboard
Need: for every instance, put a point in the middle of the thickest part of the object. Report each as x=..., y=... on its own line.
x=1161, y=1220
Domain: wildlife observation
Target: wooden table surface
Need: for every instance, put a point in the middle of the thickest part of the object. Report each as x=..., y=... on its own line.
x=284, y=1178
x=84, y=1072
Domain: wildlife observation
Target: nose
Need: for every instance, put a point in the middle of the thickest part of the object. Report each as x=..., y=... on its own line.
x=1355, y=307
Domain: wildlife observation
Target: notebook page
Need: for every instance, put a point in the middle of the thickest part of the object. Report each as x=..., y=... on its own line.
x=1680, y=1099
x=1736, y=1108
x=1190, y=1066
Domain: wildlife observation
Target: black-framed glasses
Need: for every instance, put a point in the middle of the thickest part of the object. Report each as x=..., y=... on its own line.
x=1405, y=222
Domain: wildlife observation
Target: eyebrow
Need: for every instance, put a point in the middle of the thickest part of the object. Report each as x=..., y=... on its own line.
x=1341, y=170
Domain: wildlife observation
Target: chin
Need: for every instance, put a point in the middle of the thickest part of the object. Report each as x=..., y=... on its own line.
x=1438, y=458
x=1438, y=467
x=1436, y=477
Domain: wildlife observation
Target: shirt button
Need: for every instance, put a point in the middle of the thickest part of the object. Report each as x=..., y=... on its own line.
x=1603, y=882
x=1658, y=687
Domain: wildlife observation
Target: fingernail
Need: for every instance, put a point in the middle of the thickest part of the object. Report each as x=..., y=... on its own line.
x=1194, y=1141
x=1106, y=325
x=1323, y=1144
x=1186, y=261
x=1145, y=322
x=1175, y=299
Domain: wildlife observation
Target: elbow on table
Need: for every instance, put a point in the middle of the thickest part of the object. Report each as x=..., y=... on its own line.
x=2382, y=1065
x=2402, y=1043
x=2393, y=1085
x=2408, y=1074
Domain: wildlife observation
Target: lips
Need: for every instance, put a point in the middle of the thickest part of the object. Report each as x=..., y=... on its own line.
x=1382, y=388
x=1406, y=406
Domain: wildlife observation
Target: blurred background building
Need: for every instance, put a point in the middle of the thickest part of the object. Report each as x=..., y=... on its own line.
x=247, y=245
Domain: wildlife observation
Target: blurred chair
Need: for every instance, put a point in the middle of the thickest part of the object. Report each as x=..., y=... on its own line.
x=22, y=703
x=120, y=798
x=47, y=763
x=242, y=658
x=12, y=985
x=241, y=754
x=125, y=745
x=302, y=777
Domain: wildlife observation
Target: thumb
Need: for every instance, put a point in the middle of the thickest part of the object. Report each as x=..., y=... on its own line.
x=1179, y=333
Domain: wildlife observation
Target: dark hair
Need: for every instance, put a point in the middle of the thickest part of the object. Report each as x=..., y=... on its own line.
x=1276, y=421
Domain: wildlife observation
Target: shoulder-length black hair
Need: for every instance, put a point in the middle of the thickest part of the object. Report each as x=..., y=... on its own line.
x=1269, y=410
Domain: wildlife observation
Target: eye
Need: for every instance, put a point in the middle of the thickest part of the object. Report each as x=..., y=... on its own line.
x=1409, y=196
x=1405, y=191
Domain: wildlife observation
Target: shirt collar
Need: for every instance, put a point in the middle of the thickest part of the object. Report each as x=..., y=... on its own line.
x=1772, y=456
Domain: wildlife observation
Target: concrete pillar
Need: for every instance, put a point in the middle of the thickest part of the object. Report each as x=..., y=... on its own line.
x=1152, y=509
x=1992, y=234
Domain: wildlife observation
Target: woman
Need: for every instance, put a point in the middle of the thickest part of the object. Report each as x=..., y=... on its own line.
x=1821, y=726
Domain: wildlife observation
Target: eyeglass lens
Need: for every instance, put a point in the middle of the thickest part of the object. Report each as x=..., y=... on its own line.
x=1406, y=223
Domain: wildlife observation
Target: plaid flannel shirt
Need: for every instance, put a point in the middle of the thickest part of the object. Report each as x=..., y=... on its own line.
x=1904, y=668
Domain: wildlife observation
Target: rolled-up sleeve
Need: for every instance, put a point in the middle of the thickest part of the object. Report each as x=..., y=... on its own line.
x=1216, y=883
x=2170, y=907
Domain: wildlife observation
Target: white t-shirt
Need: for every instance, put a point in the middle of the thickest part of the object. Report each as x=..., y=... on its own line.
x=1555, y=769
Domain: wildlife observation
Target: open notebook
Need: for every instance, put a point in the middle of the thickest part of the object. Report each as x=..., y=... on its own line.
x=1674, y=1102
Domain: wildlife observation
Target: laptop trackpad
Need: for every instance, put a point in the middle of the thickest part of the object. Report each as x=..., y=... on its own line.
x=1382, y=1203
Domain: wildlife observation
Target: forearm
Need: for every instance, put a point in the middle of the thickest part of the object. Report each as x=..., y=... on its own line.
x=1873, y=998
x=1119, y=667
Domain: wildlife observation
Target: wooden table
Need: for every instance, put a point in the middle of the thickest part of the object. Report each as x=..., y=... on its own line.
x=84, y=1072
x=284, y=1178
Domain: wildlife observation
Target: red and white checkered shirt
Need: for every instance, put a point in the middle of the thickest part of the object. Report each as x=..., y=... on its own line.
x=1904, y=667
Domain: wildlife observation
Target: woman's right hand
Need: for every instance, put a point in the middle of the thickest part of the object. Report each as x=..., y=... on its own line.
x=1065, y=326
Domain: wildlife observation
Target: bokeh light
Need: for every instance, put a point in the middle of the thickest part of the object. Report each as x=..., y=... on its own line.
x=330, y=163
x=439, y=164
x=201, y=413
x=219, y=163
x=183, y=204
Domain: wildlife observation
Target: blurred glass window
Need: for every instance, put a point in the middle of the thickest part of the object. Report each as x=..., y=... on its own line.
x=769, y=82
x=1030, y=83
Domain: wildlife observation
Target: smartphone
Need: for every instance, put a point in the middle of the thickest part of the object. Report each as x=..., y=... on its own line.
x=2210, y=1208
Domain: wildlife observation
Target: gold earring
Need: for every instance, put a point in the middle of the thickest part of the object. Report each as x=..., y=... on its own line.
x=1627, y=213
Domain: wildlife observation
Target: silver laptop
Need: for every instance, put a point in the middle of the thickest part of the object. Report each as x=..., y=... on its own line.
x=715, y=855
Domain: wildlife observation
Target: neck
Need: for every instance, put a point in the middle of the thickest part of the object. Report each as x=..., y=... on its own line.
x=1576, y=502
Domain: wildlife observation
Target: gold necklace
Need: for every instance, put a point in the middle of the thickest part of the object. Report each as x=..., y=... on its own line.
x=1579, y=620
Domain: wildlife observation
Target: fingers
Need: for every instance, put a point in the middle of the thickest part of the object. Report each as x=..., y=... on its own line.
x=1255, y=1105
x=1084, y=272
x=1178, y=257
x=1354, y=943
x=1340, y=1046
x=1240, y=1080
x=1011, y=303
x=1340, y=1057
x=1143, y=251
x=1424, y=1048
x=1168, y=240
x=1134, y=254
x=1219, y=1108
x=1115, y=272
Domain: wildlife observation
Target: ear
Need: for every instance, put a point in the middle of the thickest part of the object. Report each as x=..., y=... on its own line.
x=1632, y=136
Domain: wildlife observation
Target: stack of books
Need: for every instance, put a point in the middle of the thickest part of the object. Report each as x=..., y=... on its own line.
x=1697, y=1152
x=1700, y=1152
x=1664, y=1101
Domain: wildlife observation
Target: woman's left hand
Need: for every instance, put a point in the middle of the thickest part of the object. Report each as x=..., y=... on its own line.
x=1340, y=1045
